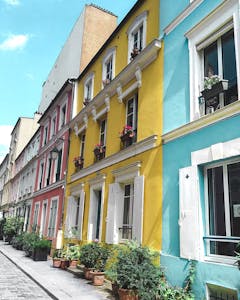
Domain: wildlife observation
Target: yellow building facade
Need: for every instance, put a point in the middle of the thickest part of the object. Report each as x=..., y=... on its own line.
x=114, y=181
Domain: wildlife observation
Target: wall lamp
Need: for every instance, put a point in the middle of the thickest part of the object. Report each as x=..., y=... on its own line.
x=54, y=153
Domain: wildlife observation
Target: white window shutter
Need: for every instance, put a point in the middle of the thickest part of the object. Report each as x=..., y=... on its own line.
x=69, y=217
x=138, y=203
x=190, y=221
x=81, y=212
x=113, y=214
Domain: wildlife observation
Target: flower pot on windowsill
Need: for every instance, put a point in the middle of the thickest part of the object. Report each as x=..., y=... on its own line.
x=134, y=53
x=216, y=89
x=99, y=152
x=86, y=101
x=106, y=81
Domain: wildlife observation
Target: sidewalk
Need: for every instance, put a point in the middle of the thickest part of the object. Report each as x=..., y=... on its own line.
x=59, y=284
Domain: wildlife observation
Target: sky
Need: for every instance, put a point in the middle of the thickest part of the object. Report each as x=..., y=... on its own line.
x=32, y=33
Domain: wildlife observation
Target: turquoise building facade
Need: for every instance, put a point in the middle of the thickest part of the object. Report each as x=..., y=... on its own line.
x=201, y=145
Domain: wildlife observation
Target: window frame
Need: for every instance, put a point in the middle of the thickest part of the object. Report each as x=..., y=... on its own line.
x=109, y=56
x=53, y=222
x=139, y=21
x=86, y=91
x=196, y=36
x=224, y=164
x=63, y=117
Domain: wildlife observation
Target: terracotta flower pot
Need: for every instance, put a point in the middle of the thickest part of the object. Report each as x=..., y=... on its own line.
x=56, y=263
x=64, y=264
x=87, y=273
x=127, y=294
x=97, y=278
x=73, y=263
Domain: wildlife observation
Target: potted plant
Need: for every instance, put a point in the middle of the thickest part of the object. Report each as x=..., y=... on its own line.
x=11, y=228
x=98, y=273
x=41, y=249
x=86, y=101
x=17, y=241
x=56, y=258
x=28, y=241
x=99, y=151
x=134, y=52
x=65, y=260
x=88, y=257
x=126, y=135
x=106, y=81
x=137, y=275
x=78, y=162
x=74, y=255
x=213, y=86
x=237, y=252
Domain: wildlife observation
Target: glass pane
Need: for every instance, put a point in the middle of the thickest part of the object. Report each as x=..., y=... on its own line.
x=234, y=197
x=229, y=66
x=211, y=60
x=222, y=248
x=216, y=202
x=99, y=202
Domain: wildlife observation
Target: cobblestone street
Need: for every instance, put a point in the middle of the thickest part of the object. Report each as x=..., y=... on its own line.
x=14, y=284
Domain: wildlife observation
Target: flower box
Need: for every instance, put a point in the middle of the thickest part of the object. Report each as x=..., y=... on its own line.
x=99, y=151
x=215, y=89
x=134, y=53
x=78, y=162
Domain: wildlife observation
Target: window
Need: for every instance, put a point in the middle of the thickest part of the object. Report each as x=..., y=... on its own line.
x=63, y=115
x=219, y=58
x=53, y=126
x=35, y=217
x=126, y=230
x=74, y=218
x=88, y=89
x=125, y=205
x=213, y=48
x=45, y=139
x=137, y=36
x=41, y=175
x=49, y=171
x=103, y=127
x=82, y=144
x=215, y=292
x=223, y=208
x=43, y=218
x=58, y=165
x=95, y=218
x=108, y=68
x=53, y=217
x=131, y=119
x=100, y=149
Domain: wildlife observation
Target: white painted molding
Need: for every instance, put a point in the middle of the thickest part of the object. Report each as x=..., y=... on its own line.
x=182, y=16
x=102, y=112
x=49, y=188
x=75, y=190
x=99, y=179
x=94, y=113
x=216, y=152
x=138, y=75
x=83, y=128
x=135, y=149
x=127, y=172
x=142, y=60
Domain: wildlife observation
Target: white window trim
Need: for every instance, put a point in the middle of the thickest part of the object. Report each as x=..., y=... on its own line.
x=111, y=53
x=89, y=78
x=35, y=205
x=217, y=287
x=141, y=19
x=211, y=155
x=60, y=114
x=96, y=184
x=56, y=218
x=53, y=130
x=42, y=225
x=225, y=12
x=126, y=175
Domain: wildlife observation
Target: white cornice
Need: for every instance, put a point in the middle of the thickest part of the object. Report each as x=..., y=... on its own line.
x=221, y=114
x=131, y=71
x=130, y=151
x=183, y=15
x=125, y=173
x=49, y=188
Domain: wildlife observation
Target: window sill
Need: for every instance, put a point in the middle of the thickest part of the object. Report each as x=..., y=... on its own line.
x=223, y=260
